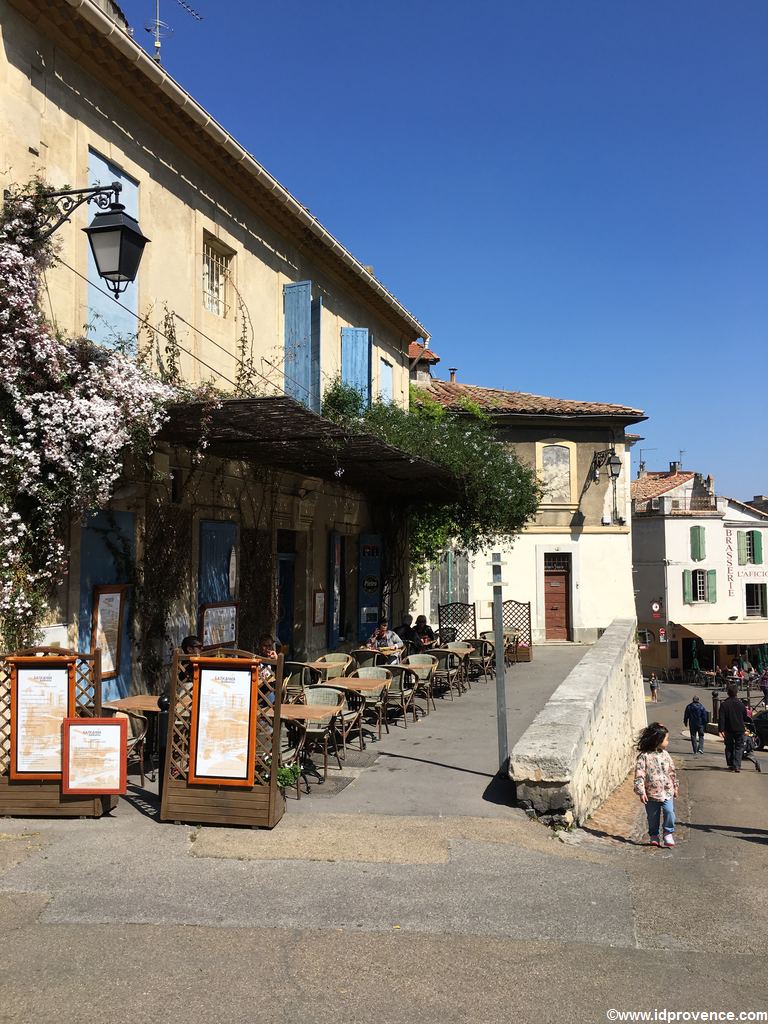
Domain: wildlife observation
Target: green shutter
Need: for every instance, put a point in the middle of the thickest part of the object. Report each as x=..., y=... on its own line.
x=757, y=547
x=741, y=546
x=711, y=585
x=697, y=543
x=687, y=586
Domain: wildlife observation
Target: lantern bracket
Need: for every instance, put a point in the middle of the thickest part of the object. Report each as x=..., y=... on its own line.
x=65, y=202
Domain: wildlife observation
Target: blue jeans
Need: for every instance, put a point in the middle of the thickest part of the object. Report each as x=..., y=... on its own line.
x=697, y=740
x=654, y=809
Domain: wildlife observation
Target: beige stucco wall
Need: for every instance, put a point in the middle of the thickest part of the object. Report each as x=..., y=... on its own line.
x=51, y=112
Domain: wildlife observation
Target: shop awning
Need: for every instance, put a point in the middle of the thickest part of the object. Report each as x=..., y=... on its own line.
x=278, y=431
x=743, y=633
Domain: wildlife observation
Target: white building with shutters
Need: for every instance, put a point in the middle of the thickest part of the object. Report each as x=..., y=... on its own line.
x=701, y=575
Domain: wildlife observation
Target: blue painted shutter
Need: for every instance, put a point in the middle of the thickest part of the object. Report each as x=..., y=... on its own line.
x=356, y=360
x=101, y=535
x=216, y=543
x=297, y=305
x=108, y=323
x=386, y=385
x=317, y=314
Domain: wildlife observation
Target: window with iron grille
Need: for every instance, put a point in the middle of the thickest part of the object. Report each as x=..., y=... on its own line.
x=217, y=269
x=757, y=600
x=556, y=562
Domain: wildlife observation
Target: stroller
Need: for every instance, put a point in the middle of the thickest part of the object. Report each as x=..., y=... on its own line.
x=750, y=747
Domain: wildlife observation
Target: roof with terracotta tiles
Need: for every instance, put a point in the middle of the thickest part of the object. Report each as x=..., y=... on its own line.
x=651, y=485
x=454, y=396
x=418, y=351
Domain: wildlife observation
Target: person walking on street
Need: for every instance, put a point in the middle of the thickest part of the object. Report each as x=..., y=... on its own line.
x=764, y=686
x=653, y=682
x=696, y=717
x=732, y=725
x=656, y=782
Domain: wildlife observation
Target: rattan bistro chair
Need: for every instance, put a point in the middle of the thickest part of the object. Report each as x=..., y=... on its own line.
x=402, y=691
x=365, y=657
x=137, y=736
x=292, y=742
x=447, y=671
x=481, y=659
x=338, y=665
x=323, y=731
x=376, y=701
x=424, y=666
x=295, y=678
x=463, y=650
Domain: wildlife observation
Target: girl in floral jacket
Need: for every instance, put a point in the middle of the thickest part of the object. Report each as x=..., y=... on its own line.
x=656, y=782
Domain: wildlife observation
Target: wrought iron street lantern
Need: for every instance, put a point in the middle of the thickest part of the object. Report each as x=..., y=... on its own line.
x=116, y=239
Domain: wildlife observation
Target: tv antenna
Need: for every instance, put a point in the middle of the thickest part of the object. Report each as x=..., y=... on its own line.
x=162, y=30
x=641, y=465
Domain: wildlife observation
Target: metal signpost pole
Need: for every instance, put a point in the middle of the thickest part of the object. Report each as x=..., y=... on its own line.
x=501, y=695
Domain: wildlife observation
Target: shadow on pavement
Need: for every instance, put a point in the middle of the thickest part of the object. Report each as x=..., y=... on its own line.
x=749, y=835
x=437, y=764
x=500, y=790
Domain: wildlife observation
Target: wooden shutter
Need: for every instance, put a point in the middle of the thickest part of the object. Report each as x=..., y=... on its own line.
x=687, y=586
x=314, y=388
x=741, y=546
x=711, y=585
x=757, y=547
x=356, y=360
x=297, y=306
x=698, y=552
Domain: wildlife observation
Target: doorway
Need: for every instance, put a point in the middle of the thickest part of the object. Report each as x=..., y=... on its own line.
x=557, y=596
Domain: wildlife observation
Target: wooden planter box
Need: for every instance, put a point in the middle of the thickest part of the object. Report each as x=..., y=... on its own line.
x=525, y=653
x=43, y=799
x=259, y=806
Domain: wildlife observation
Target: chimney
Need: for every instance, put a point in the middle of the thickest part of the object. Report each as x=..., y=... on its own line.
x=674, y=467
x=452, y=371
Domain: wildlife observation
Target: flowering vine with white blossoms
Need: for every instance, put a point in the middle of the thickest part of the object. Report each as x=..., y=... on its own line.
x=70, y=412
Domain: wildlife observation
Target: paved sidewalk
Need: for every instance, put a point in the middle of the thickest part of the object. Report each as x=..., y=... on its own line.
x=447, y=762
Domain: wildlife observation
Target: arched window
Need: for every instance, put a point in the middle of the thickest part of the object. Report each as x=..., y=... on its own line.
x=556, y=473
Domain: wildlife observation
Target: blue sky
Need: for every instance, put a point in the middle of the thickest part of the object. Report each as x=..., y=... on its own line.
x=571, y=195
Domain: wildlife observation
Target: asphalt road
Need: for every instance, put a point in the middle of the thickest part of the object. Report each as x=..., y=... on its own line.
x=346, y=914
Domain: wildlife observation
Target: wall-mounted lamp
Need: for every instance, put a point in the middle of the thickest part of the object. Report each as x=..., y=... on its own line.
x=609, y=458
x=116, y=239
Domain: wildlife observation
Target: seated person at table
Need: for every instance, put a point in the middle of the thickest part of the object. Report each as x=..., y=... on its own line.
x=384, y=637
x=192, y=647
x=408, y=634
x=424, y=632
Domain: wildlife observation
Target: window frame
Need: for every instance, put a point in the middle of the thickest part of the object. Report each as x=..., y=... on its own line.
x=699, y=586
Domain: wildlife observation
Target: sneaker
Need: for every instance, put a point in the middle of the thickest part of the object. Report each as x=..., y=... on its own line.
x=669, y=840
x=655, y=841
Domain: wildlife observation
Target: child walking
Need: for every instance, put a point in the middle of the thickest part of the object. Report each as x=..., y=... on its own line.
x=656, y=782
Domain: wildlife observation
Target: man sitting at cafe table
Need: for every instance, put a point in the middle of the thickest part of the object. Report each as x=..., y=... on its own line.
x=385, y=638
x=424, y=632
x=408, y=634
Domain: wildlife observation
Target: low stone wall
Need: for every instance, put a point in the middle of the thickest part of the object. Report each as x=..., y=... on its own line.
x=582, y=743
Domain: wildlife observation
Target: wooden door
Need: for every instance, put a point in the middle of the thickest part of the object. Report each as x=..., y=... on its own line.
x=557, y=618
